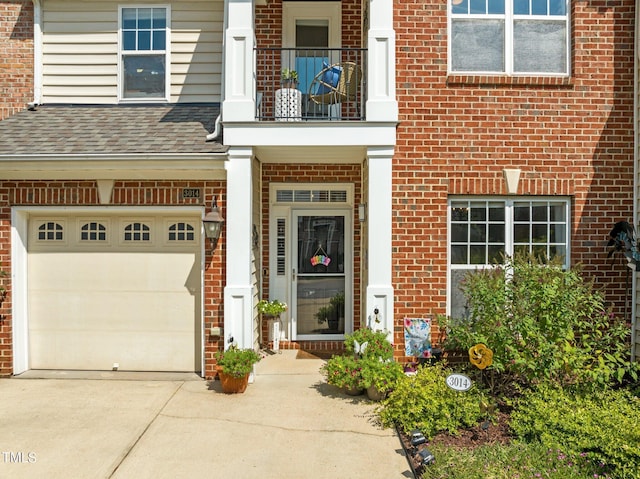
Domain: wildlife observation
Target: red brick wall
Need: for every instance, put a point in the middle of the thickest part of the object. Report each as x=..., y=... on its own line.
x=570, y=137
x=125, y=193
x=16, y=56
x=313, y=173
x=269, y=24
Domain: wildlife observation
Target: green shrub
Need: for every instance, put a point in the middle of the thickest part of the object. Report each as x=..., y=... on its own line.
x=425, y=402
x=602, y=426
x=508, y=461
x=543, y=323
x=383, y=375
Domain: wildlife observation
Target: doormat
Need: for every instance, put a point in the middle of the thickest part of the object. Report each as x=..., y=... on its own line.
x=302, y=354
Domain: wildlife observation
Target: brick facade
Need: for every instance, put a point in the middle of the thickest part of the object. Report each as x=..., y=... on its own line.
x=570, y=137
x=16, y=56
x=125, y=193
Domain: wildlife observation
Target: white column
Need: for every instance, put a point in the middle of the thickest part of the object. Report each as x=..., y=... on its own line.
x=381, y=80
x=238, y=291
x=238, y=89
x=379, y=287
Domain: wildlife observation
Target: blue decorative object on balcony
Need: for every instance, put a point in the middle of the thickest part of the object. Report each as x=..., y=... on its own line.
x=330, y=78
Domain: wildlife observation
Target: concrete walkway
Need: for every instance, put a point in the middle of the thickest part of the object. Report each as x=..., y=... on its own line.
x=288, y=424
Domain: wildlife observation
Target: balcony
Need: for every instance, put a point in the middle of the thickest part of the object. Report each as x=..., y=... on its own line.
x=331, y=84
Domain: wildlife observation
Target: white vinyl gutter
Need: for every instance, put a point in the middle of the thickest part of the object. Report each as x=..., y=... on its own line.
x=37, y=53
x=217, y=130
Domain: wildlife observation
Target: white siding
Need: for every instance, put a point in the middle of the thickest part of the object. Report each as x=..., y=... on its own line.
x=80, y=50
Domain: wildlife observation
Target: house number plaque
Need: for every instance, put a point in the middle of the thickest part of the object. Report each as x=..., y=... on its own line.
x=190, y=193
x=458, y=382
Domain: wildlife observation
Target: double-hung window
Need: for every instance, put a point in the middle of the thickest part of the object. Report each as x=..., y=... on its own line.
x=144, y=41
x=482, y=231
x=523, y=37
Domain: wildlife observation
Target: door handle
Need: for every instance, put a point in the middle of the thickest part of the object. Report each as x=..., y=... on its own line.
x=294, y=274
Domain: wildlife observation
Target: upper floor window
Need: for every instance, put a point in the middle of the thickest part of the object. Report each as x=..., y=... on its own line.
x=144, y=37
x=509, y=36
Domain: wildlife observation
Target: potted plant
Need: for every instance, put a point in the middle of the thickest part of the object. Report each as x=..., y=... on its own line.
x=379, y=377
x=273, y=308
x=344, y=372
x=289, y=78
x=333, y=312
x=234, y=367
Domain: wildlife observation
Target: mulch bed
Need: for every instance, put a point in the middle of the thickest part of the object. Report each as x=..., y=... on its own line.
x=496, y=432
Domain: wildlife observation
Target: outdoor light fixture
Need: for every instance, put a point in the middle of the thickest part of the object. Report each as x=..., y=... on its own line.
x=212, y=223
x=426, y=457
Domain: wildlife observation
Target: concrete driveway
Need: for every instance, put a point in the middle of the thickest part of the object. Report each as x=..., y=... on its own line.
x=288, y=424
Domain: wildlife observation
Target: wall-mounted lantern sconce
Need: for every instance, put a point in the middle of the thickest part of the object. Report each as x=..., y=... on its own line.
x=212, y=223
x=362, y=212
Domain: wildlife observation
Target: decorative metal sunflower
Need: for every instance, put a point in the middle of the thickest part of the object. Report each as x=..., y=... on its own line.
x=480, y=356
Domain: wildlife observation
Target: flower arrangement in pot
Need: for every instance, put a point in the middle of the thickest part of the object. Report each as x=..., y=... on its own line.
x=234, y=367
x=344, y=372
x=367, y=364
x=273, y=308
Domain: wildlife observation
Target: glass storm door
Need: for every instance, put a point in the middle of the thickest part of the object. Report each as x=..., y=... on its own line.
x=321, y=276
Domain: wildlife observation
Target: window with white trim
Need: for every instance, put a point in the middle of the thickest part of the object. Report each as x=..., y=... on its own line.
x=481, y=231
x=509, y=36
x=144, y=54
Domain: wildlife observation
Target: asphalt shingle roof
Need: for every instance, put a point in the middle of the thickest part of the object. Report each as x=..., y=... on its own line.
x=110, y=129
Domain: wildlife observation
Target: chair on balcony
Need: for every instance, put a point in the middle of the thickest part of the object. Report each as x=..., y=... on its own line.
x=336, y=83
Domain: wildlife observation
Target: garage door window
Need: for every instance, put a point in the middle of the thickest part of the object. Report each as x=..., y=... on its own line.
x=50, y=231
x=93, y=231
x=181, y=232
x=137, y=232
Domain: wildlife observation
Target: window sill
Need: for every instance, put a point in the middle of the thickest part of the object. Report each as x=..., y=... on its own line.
x=491, y=80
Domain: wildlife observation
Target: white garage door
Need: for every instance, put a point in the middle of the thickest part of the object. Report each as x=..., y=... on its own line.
x=117, y=291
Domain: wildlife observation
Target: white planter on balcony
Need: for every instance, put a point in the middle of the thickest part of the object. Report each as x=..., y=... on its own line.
x=288, y=104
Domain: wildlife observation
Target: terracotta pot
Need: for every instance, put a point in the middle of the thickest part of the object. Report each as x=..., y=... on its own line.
x=231, y=385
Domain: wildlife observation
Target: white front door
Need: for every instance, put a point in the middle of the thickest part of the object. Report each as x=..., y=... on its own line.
x=321, y=283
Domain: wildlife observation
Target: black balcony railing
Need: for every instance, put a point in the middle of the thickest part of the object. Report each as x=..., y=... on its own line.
x=330, y=84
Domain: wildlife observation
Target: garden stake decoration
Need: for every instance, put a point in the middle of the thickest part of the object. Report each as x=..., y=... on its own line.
x=480, y=356
x=622, y=238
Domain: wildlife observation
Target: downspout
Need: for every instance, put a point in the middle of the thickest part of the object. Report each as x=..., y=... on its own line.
x=37, y=54
x=217, y=130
